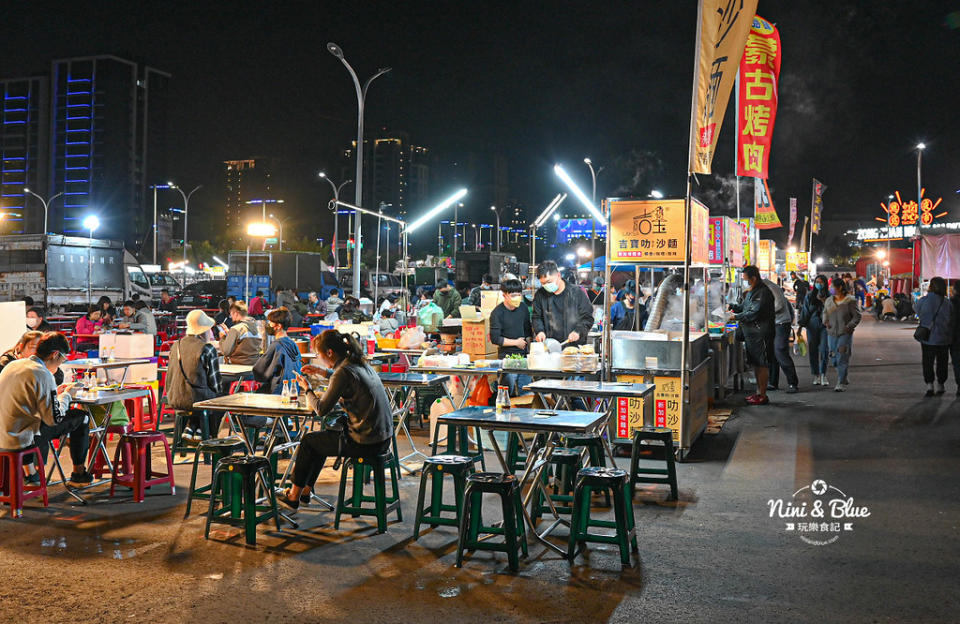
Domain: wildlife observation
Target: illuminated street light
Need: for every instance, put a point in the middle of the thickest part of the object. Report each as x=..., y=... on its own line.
x=656, y=194
x=46, y=204
x=583, y=252
x=881, y=254
x=579, y=194
x=437, y=210
x=261, y=230
x=91, y=223
x=820, y=260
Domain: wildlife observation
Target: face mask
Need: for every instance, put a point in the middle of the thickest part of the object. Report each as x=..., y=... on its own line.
x=32, y=322
x=746, y=284
x=551, y=287
x=515, y=300
x=819, y=285
x=833, y=290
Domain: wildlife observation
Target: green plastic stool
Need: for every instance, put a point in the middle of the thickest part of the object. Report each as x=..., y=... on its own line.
x=514, y=532
x=238, y=476
x=615, y=480
x=516, y=459
x=565, y=463
x=458, y=443
x=382, y=504
x=179, y=424
x=667, y=475
x=219, y=448
x=434, y=469
x=595, y=451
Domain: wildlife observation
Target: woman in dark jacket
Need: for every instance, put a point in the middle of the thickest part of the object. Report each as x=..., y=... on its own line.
x=357, y=388
x=811, y=318
x=936, y=314
x=955, y=345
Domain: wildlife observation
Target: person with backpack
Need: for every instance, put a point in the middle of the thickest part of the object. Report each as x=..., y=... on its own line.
x=935, y=333
x=800, y=287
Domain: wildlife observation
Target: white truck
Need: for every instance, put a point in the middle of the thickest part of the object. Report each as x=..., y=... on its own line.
x=68, y=272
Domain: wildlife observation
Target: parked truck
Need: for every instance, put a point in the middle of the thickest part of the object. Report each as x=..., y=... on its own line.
x=300, y=271
x=68, y=272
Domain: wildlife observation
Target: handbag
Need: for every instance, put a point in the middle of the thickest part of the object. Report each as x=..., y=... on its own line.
x=921, y=333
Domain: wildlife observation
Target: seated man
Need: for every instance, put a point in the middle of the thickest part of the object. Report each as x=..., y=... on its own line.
x=241, y=343
x=137, y=317
x=34, y=411
x=167, y=303
x=281, y=361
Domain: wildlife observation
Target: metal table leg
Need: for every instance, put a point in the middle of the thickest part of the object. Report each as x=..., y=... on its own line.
x=402, y=427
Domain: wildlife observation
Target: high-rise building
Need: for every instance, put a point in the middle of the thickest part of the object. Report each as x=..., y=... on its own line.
x=396, y=173
x=108, y=143
x=24, y=152
x=246, y=180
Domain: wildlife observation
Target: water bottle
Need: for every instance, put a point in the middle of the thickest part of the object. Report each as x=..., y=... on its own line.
x=503, y=400
x=285, y=394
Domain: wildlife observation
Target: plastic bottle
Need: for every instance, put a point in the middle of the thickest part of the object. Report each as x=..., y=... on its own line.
x=285, y=393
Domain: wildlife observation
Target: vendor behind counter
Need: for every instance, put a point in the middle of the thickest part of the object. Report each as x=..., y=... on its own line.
x=561, y=310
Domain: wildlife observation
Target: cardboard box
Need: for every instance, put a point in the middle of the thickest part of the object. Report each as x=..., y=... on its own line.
x=489, y=299
x=476, y=339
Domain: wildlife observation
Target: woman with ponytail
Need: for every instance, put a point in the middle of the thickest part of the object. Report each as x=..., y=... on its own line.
x=368, y=429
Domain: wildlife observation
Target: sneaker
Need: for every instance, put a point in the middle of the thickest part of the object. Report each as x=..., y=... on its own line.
x=187, y=434
x=81, y=477
x=32, y=479
x=940, y=389
x=791, y=389
x=284, y=499
x=839, y=387
x=758, y=400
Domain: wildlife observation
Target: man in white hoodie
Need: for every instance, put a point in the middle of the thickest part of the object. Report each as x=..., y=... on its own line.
x=781, y=342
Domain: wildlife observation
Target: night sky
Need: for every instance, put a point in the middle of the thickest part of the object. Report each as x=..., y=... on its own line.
x=861, y=84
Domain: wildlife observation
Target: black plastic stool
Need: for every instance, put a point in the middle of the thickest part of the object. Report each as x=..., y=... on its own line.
x=219, y=448
x=615, y=480
x=507, y=487
x=240, y=473
x=382, y=504
x=657, y=452
x=434, y=468
x=564, y=463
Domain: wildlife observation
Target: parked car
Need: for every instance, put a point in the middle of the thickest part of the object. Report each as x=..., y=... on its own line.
x=204, y=294
x=159, y=281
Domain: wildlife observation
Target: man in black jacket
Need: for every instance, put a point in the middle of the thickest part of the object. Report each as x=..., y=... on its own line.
x=561, y=310
x=756, y=315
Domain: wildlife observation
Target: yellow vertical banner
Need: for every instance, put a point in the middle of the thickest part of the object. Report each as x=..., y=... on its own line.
x=723, y=30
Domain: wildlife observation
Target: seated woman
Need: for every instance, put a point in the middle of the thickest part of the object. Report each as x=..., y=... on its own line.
x=357, y=388
x=36, y=322
x=89, y=324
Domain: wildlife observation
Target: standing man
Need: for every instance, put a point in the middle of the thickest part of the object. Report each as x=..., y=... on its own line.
x=448, y=299
x=510, y=330
x=595, y=294
x=560, y=310
x=781, y=342
x=756, y=315
x=485, y=284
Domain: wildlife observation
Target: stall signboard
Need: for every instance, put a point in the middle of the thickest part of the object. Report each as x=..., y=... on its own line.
x=747, y=239
x=766, y=256
x=667, y=409
x=725, y=241
x=652, y=232
x=797, y=261
x=629, y=416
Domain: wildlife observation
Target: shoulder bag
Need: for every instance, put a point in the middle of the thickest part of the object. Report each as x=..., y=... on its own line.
x=922, y=334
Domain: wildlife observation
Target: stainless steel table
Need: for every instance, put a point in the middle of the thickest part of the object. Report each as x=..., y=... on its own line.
x=97, y=364
x=394, y=383
x=548, y=423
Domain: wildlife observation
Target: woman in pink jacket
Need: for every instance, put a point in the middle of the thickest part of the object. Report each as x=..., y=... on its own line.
x=88, y=324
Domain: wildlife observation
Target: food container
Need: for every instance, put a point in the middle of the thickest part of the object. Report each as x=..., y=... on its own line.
x=570, y=363
x=589, y=363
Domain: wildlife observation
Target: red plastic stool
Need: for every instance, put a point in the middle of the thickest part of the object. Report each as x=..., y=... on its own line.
x=142, y=476
x=142, y=421
x=96, y=458
x=11, y=479
x=244, y=386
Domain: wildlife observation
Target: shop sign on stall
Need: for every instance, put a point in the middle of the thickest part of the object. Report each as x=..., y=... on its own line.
x=726, y=241
x=652, y=232
x=667, y=409
x=748, y=231
x=797, y=261
x=766, y=255
x=629, y=416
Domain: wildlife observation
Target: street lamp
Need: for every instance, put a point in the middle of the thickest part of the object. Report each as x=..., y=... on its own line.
x=913, y=255
x=593, y=224
x=335, y=50
x=336, y=216
x=186, y=207
x=497, y=214
x=46, y=204
x=280, y=236
x=91, y=223
x=255, y=230
x=656, y=194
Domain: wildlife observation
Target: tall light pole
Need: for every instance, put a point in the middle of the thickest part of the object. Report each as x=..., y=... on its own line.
x=280, y=234
x=335, y=50
x=46, y=205
x=336, y=217
x=186, y=207
x=155, y=187
x=494, y=209
x=593, y=240
x=913, y=247
x=90, y=223
x=889, y=199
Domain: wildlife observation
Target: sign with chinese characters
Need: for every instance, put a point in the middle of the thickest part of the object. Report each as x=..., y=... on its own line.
x=652, y=231
x=796, y=261
x=816, y=211
x=726, y=241
x=722, y=32
x=667, y=409
x=759, y=73
x=766, y=255
x=765, y=215
x=747, y=239
x=629, y=416
x=900, y=213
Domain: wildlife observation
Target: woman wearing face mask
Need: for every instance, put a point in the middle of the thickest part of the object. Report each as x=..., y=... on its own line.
x=811, y=318
x=36, y=322
x=841, y=315
x=368, y=429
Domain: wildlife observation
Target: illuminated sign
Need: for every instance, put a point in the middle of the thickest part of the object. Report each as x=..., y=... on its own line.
x=572, y=229
x=900, y=213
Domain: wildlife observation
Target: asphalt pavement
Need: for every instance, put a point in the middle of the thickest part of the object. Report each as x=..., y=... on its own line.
x=715, y=555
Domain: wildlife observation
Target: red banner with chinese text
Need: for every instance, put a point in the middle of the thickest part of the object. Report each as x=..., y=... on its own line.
x=759, y=74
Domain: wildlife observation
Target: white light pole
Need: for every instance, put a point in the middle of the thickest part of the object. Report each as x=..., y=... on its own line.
x=494, y=209
x=593, y=178
x=46, y=205
x=280, y=234
x=913, y=246
x=335, y=50
x=336, y=216
x=90, y=223
x=155, y=187
x=186, y=207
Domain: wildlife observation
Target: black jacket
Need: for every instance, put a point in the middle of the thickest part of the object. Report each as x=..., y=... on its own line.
x=955, y=319
x=360, y=391
x=811, y=310
x=756, y=313
x=558, y=315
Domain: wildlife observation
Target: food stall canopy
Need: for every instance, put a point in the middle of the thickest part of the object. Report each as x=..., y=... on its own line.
x=940, y=256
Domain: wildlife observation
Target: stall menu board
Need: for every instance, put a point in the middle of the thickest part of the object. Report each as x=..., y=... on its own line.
x=725, y=241
x=746, y=241
x=667, y=411
x=652, y=232
x=629, y=416
x=797, y=261
x=766, y=255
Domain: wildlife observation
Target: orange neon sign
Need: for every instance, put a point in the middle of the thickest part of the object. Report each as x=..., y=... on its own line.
x=900, y=212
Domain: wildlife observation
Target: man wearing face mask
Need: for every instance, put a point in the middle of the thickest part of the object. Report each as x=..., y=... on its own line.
x=281, y=361
x=560, y=310
x=510, y=329
x=756, y=316
x=623, y=314
x=448, y=299
x=36, y=322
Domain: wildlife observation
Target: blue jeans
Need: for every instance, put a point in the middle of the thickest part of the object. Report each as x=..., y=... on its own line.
x=840, y=348
x=515, y=383
x=817, y=349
